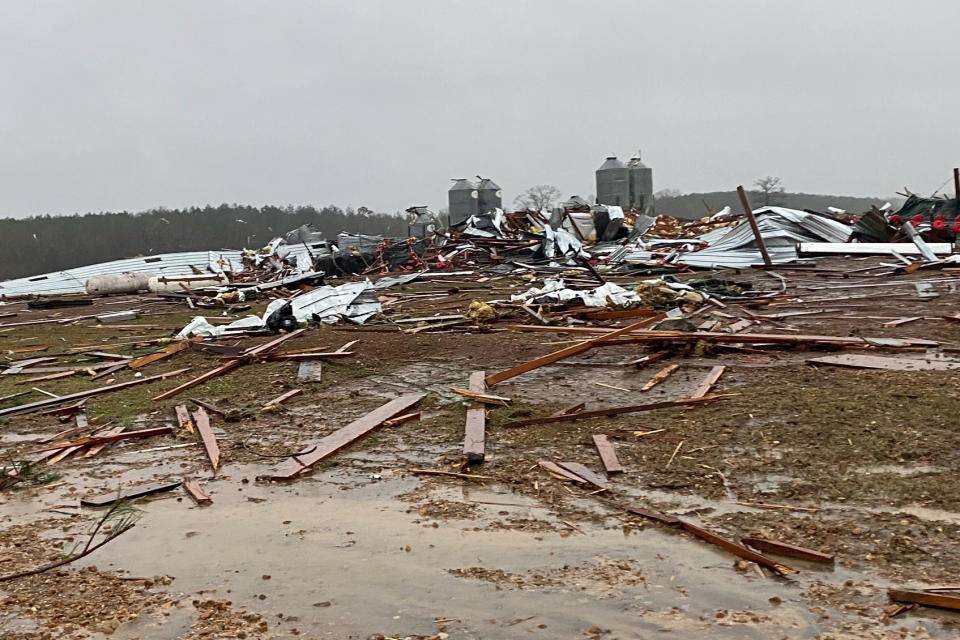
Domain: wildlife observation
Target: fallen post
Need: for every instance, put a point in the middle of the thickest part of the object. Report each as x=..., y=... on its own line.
x=342, y=438
x=474, y=434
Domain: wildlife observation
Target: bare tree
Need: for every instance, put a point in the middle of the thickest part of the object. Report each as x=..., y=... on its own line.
x=770, y=189
x=537, y=197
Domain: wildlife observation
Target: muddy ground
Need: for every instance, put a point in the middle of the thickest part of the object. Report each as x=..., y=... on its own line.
x=866, y=460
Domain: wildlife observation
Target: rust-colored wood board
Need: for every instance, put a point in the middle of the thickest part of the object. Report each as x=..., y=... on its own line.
x=97, y=448
x=925, y=598
x=342, y=438
x=81, y=424
x=568, y=351
x=608, y=455
x=310, y=371
x=788, y=550
x=49, y=376
x=49, y=402
x=94, y=440
x=202, y=423
x=110, y=497
x=303, y=357
x=704, y=387
x=399, y=420
x=474, y=436
x=556, y=469
x=660, y=376
x=580, y=470
x=856, y=361
x=109, y=370
x=159, y=355
x=613, y=411
x=736, y=549
x=183, y=417
x=213, y=373
x=196, y=491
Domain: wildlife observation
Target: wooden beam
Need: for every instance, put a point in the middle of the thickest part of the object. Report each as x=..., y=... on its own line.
x=342, y=438
x=569, y=351
x=608, y=455
x=585, y=473
x=704, y=387
x=48, y=402
x=788, y=550
x=753, y=226
x=202, y=422
x=613, y=411
x=559, y=471
x=474, y=435
x=926, y=598
x=660, y=376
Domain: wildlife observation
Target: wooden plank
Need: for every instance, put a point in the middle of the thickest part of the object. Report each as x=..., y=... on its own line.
x=739, y=325
x=897, y=323
x=93, y=440
x=213, y=373
x=618, y=315
x=925, y=598
x=577, y=408
x=650, y=358
x=49, y=402
x=585, y=473
x=310, y=371
x=110, y=370
x=183, y=417
x=704, y=387
x=608, y=455
x=103, y=355
x=301, y=357
x=613, y=411
x=556, y=469
x=177, y=347
x=196, y=491
x=757, y=236
x=93, y=450
x=474, y=436
x=49, y=376
x=342, y=438
x=856, y=361
x=283, y=397
x=83, y=425
x=568, y=351
x=736, y=549
x=660, y=376
x=396, y=422
x=202, y=422
x=110, y=497
x=484, y=398
x=789, y=550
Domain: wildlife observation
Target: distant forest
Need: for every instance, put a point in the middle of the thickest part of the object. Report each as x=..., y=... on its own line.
x=48, y=243
x=691, y=205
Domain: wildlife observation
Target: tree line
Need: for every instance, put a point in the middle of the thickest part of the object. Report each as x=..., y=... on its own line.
x=41, y=244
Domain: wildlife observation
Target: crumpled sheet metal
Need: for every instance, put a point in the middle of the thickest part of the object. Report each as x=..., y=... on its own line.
x=554, y=291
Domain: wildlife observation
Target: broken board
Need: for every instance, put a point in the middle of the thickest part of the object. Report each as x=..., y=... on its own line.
x=856, y=361
x=474, y=432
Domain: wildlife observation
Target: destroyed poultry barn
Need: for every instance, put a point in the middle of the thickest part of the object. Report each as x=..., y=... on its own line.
x=742, y=424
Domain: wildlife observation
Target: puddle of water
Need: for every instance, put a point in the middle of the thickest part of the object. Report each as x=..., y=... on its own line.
x=321, y=544
x=900, y=470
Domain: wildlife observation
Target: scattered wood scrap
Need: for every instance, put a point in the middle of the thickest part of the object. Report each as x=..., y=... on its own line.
x=310, y=371
x=140, y=491
x=613, y=411
x=926, y=598
x=607, y=454
x=94, y=440
x=788, y=550
x=858, y=361
x=483, y=398
x=276, y=402
x=585, y=473
x=660, y=376
x=183, y=417
x=202, y=422
x=704, y=387
x=326, y=447
x=196, y=491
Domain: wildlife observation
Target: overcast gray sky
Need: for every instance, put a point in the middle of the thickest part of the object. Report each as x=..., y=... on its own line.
x=129, y=105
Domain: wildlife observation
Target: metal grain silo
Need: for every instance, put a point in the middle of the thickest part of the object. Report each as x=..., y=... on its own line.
x=641, y=183
x=462, y=201
x=490, y=197
x=613, y=184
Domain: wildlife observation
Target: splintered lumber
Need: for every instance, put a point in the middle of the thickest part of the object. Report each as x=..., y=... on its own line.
x=569, y=351
x=110, y=497
x=559, y=471
x=451, y=474
x=660, y=376
x=41, y=404
x=474, y=434
x=183, y=417
x=664, y=336
x=244, y=357
x=856, y=361
x=399, y=420
x=926, y=598
x=310, y=371
x=202, y=422
x=585, y=473
x=613, y=411
x=788, y=550
x=109, y=370
x=608, y=456
x=739, y=325
x=283, y=397
x=704, y=387
x=94, y=440
x=484, y=398
x=97, y=448
x=342, y=438
x=196, y=491
x=577, y=408
x=647, y=359
x=81, y=424
x=49, y=376
x=900, y=321
x=160, y=355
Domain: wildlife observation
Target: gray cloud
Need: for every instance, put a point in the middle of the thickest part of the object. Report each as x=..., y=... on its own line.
x=128, y=105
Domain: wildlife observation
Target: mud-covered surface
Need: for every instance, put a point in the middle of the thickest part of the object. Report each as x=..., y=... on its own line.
x=861, y=464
